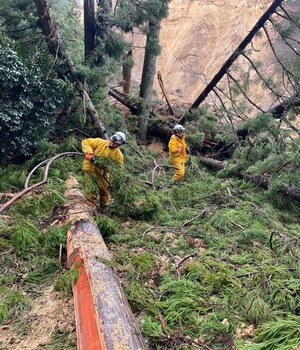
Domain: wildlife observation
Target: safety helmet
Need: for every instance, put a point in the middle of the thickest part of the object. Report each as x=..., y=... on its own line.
x=119, y=137
x=179, y=127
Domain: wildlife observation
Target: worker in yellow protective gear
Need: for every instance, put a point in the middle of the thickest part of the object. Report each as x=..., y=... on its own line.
x=97, y=147
x=178, y=152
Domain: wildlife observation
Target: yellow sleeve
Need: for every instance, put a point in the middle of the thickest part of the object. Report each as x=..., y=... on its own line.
x=89, y=145
x=173, y=146
x=119, y=158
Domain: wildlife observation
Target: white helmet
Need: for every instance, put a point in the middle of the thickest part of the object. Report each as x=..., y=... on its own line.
x=179, y=127
x=119, y=137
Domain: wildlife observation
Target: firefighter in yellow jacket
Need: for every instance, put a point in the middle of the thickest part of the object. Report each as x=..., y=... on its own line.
x=178, y=152
x=97, y=147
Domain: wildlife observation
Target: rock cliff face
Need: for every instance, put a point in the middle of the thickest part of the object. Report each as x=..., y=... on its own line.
x=196, y=39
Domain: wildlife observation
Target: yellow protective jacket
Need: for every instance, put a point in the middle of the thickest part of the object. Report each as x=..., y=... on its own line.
x=100, y=148
x=176, y=144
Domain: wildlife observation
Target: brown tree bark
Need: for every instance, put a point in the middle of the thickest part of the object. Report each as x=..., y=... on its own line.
x=123, y=99
x=127, y=69
x=52, y=36
x=102, y=26
x=89, y=27
x=146, y=89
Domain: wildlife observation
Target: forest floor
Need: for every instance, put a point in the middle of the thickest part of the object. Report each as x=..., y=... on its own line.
x=50, y=318
x=205, y=263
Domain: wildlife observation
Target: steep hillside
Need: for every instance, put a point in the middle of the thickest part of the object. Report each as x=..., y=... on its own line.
x=196, y=39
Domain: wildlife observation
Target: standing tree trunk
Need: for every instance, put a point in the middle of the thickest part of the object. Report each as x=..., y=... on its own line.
x=127, y=69
x=52, y=36
x=89, y=27
x=149, y=67
x=102, y=27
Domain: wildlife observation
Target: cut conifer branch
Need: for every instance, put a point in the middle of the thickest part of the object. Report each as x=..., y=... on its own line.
x=289, y=74
x=260, y=180
x=244, y=93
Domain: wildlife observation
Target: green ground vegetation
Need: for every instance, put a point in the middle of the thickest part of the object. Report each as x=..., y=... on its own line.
x=201, y=261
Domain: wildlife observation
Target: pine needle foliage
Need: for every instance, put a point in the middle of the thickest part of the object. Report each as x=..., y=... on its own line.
x=43, y=273
x=54, y=238
x=280, y=334
x=26, y=237
x=59, y=340
x=107, y=226
x=66, y=281
x=14, y=304
x=256, y=309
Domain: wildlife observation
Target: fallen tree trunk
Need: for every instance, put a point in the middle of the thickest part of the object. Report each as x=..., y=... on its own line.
x=224, y=69
x=124, y=100
x=260, y=180
x=101, y=306
x=280, y=109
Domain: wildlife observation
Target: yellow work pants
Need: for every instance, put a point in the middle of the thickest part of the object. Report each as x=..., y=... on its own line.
x=102, y=178
x=180, y=171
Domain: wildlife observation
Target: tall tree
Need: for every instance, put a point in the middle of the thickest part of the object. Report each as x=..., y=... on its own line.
x=52, y=36
x=89, y=27
x=146, y=16
x=149, y=70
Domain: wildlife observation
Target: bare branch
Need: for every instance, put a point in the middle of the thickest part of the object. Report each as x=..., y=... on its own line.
x=289, y=17
x=289, y=73
x=282, y=37
x=244, y=94
x=261, y=77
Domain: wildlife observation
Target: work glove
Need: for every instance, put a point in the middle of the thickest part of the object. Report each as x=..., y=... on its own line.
x=90, y=157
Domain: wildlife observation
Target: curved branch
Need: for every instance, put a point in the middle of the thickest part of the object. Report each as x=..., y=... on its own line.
x=159, y=166
x=45, y=179
x=260, y=76
x=244, y=118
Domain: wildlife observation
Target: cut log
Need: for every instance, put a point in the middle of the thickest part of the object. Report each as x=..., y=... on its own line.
x=212, y=163
x=108, y=311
